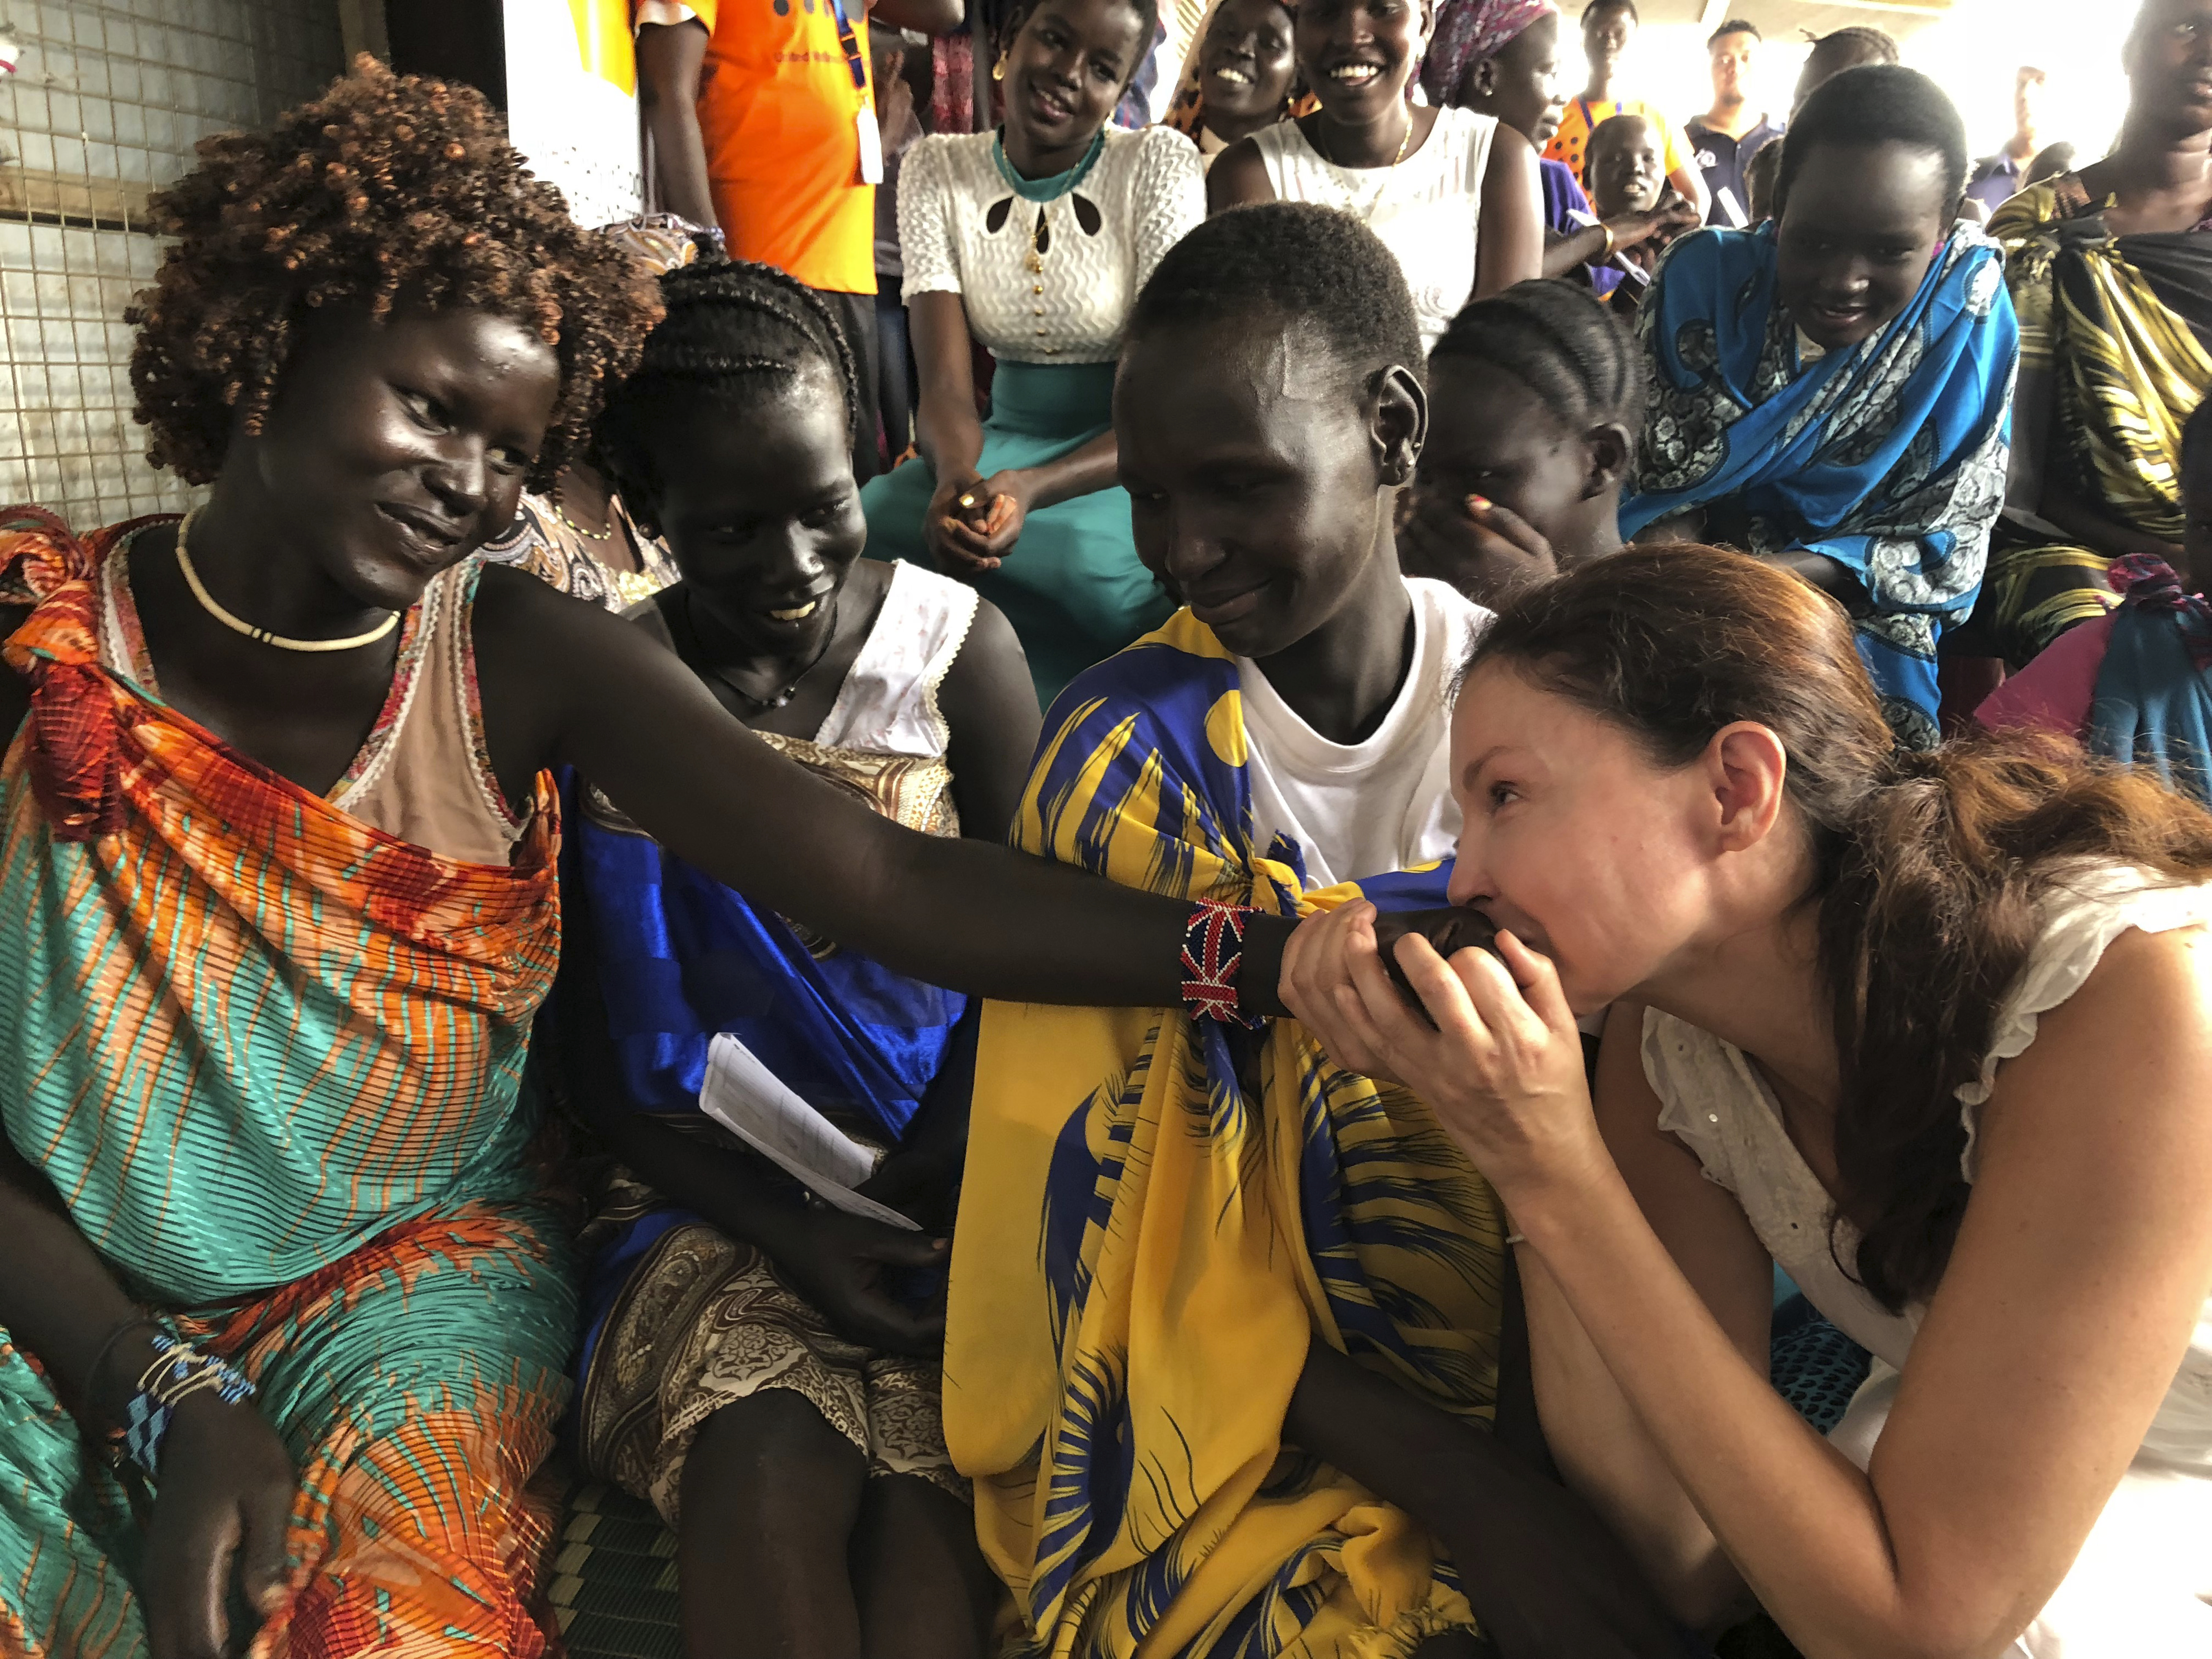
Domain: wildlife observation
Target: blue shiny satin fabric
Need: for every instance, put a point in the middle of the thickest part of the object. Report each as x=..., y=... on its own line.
x=681, y=957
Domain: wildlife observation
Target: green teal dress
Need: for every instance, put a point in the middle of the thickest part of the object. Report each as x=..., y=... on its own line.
x=1047, y=271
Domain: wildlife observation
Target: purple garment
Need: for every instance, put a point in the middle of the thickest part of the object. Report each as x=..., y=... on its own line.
x=1996, y=180
x=1563, y=199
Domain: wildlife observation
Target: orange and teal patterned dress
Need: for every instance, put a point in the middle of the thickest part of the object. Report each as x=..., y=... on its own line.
x=271, y=1056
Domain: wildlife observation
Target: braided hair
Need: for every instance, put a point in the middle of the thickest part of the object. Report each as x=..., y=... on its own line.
x=732, y=327
x=1561, y=343
x=386, y=189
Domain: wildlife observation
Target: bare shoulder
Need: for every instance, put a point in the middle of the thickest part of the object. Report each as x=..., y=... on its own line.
x=2136, y=1038
x=1239, y=178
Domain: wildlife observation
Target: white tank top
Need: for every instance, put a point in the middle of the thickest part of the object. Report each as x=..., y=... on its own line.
x=1425, y=208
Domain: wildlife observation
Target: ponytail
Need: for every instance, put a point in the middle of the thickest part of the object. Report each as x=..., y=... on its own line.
x=1930, y=870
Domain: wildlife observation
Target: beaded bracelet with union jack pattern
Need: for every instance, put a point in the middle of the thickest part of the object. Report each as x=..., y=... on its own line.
x=1214, y=963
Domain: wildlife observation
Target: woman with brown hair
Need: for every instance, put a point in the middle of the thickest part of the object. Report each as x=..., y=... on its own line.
x=1862, y=998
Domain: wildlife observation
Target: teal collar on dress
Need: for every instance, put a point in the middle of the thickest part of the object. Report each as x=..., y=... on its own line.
x=1044, y=189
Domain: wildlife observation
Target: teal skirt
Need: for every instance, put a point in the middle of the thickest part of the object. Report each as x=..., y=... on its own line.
x=1071, y=586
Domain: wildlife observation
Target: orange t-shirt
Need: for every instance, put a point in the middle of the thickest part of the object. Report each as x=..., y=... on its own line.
x=778, y=112
x=1583, y=117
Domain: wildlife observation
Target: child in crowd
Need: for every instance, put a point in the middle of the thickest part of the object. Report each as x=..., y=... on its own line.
x=1626, y=176
x=1459, y=210
x=1033, y=241
x=1832, y=393
x=2133, y=685
x=1171, y=1237
x=1247, y=75
x=1536, y=400
x=1501, y=57
x=747, y=1366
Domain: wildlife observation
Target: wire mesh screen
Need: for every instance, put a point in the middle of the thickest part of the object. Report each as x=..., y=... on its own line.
x=105, y=108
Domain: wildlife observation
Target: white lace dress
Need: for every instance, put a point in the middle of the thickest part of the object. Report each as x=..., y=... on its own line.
x=2142, y=1588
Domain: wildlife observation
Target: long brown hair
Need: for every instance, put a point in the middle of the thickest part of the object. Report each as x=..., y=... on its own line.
x=1929, y=868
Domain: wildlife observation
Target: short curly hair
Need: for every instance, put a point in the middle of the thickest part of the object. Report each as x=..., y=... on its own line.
x=387, y=190
x=1296, y=263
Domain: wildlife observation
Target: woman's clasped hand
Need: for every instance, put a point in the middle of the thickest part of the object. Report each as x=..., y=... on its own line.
x=1501, y=1066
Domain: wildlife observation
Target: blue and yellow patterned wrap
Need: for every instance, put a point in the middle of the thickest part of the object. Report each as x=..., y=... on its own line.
x=1157, y=1219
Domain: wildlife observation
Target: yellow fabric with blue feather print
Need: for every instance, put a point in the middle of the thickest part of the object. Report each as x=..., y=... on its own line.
x=1159, y=1214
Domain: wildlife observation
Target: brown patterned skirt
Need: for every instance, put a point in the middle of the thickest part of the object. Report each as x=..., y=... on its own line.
x=703, y=1322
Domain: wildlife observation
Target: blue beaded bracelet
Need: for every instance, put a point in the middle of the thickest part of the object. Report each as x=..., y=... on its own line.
x=178, y=1371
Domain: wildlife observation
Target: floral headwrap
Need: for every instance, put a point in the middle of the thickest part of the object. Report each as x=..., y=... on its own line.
x=1468, y=31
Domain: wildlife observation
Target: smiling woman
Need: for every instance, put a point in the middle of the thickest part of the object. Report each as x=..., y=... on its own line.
x=277, y=908
x=1033, y=241
x=1458, y=209
x=1833, y=393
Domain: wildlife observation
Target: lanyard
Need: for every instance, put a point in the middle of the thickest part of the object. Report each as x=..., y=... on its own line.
x=851, y=42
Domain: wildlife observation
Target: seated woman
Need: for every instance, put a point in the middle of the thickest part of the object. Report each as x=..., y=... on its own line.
x=1458, y=209
x=1172, y=1234
x=1801, y=1072
x=2132, y=684
x=2111, y=271
x=1501, y=57
x=578, y=536
x=1535, y=400
x=1242, y=76
x=1033, y=241
x=746, y=1368
x=1831, y=392
x=277, y=907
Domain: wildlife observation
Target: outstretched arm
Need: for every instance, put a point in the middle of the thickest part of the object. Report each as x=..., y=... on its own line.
x=565, y=682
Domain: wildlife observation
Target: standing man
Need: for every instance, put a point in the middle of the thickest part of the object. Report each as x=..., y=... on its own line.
x=763, y=116
x=2002, y=176
x=1725, y=138
x=1608, y=27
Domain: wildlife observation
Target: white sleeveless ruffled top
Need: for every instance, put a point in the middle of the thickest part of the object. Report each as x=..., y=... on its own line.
x=2141, y=1587
x=1713, y=1100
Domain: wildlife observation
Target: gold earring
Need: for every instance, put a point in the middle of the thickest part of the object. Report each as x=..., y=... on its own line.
x=999, y=70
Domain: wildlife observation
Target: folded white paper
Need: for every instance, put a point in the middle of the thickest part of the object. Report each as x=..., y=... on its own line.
x=742, y=1095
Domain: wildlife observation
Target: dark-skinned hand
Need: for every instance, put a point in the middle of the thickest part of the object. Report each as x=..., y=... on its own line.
x=220, y=1510
x=844, y=1265
x=1662, y=225
x=952, y=525
x=1448, y=928
x=919, y=1185
x=983, y=522
x=1471, y=542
